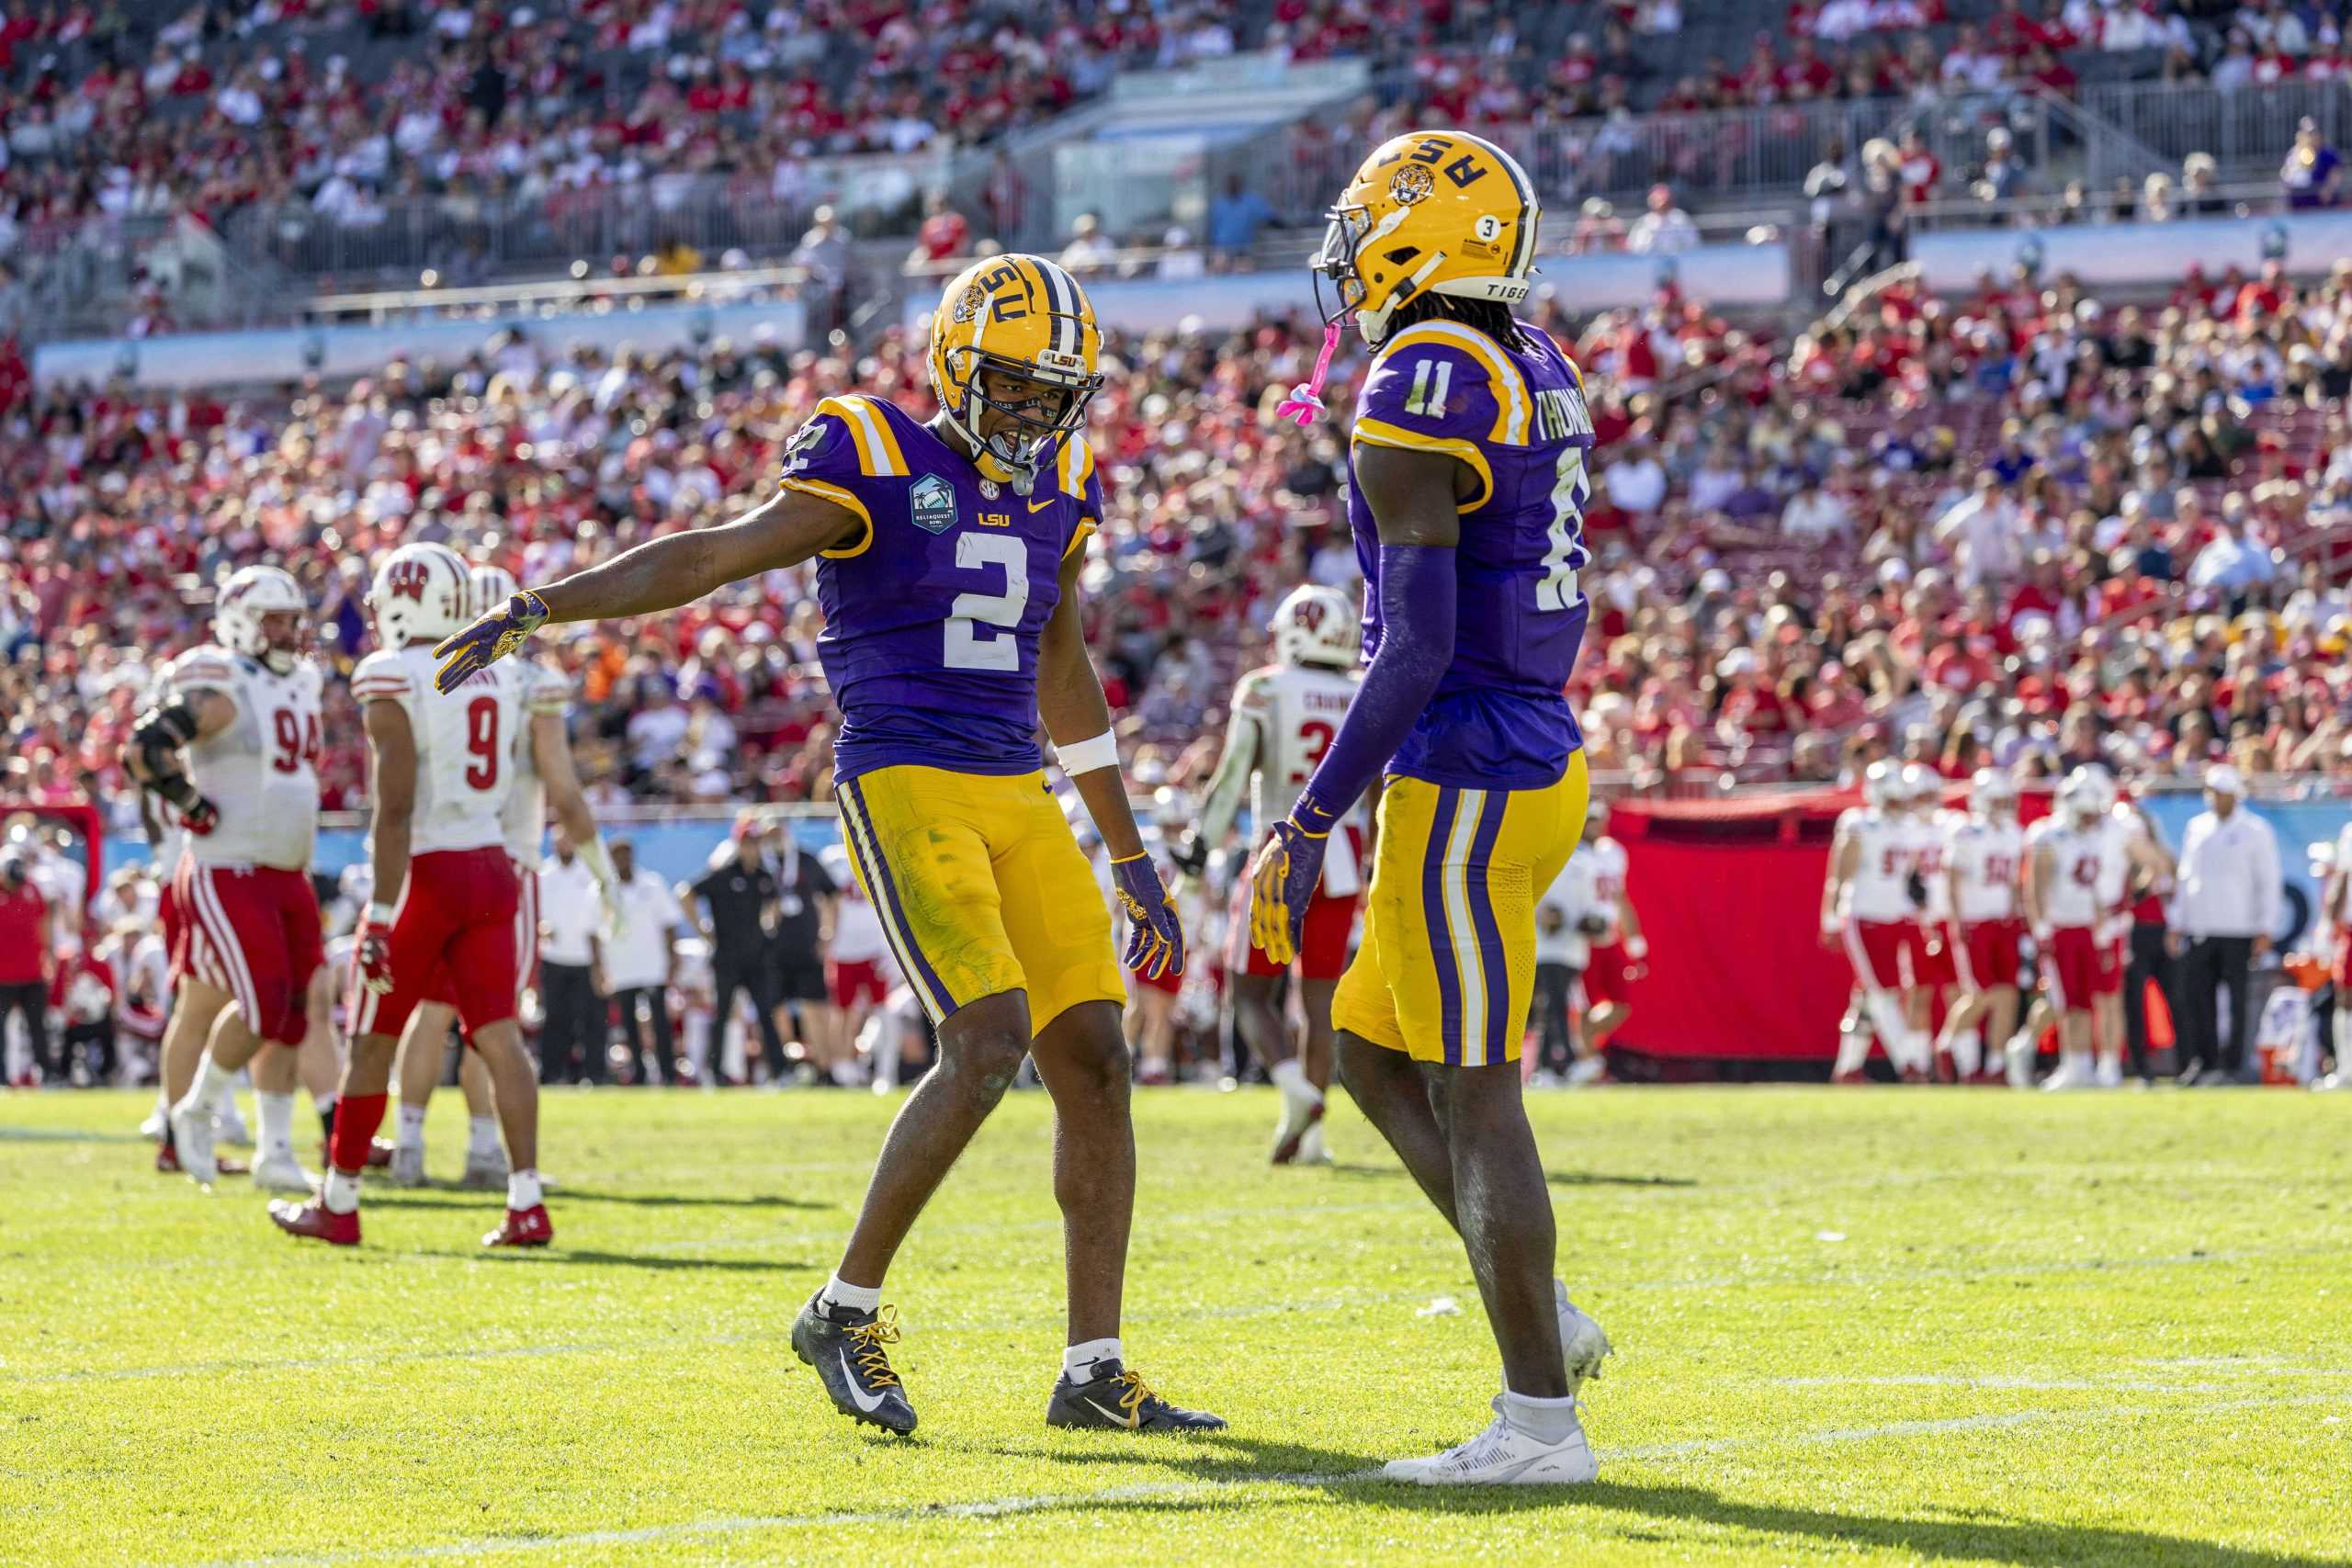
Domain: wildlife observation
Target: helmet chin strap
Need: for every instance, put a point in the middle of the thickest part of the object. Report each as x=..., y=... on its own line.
x=1021, y=473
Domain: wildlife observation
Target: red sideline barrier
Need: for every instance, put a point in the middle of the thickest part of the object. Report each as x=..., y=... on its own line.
x=1729, y=893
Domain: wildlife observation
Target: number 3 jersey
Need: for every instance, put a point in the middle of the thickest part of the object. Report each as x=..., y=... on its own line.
x=1517, y=419
x=464, y=742
x=261, y=773
x=932, y=613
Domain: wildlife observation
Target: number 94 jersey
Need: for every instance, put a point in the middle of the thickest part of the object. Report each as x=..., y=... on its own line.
x=464, y=742
x=932, y=613
x=1516, y=417
x=262, y=771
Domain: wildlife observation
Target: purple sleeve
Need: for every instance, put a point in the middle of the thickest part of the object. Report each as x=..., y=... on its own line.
x=1416, y=609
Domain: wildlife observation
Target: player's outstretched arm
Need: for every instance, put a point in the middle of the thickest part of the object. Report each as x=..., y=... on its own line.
x=551, y=754
x=1412, y=495
x=1069, y=700
x=660, y=574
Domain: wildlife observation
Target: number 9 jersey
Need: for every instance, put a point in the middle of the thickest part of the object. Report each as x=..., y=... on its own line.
x=932, y=613
x=465, y=743
x=1516, y=418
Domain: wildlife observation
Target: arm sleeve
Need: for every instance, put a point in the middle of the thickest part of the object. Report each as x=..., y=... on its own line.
x=1245, y=743
x=1417, y=604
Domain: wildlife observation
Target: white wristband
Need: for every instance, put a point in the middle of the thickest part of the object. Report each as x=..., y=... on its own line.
x=379, y=915
x=1085, y=755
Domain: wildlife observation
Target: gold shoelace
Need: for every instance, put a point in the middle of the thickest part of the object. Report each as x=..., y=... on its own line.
x=869, y=1339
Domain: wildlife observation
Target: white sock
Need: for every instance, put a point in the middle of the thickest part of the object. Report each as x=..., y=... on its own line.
x=1291, y=1078
x=211, y=1084
x=163, y=1097
x=342, y=1195
x=1079, y=1360
x=523, y=1189
x=411, y=1134
x=482, y=1136
x=1886, y=1020
x=225, y=1097
x=1854, y=1051
x=1546, y=1420
x=839, y=1292
x=1967, y=1053
x=276, y=1123
x=326, y=1102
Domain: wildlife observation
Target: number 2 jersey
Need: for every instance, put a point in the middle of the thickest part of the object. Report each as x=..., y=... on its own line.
x=1516, y=417
x=933, y=612
x=464, y=742
x=261, y=773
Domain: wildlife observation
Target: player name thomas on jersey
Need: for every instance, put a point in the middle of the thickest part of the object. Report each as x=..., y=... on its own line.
x=1517, y=419
x=933, y=614
x=261, y=773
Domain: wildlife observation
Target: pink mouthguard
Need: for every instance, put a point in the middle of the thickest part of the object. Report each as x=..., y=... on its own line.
x=1306, y=399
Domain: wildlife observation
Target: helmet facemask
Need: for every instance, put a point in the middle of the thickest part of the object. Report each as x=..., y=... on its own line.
x=1348, y=230
x=1027, y=427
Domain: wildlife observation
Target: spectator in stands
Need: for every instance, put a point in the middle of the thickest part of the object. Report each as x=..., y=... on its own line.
x=945, y=235
x=2200, y=187
x=1235, y=220
x=1088, y=251
x=2310, y=173
x=1663, y=229
x=2231, y=564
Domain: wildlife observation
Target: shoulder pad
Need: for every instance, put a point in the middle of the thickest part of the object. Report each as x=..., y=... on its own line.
x=382, y=674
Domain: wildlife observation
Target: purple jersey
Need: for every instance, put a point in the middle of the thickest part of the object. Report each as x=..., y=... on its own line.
x=932, y=616
x=1517, y=418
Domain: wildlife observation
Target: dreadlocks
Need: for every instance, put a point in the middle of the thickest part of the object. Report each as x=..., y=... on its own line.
x=1484, y=315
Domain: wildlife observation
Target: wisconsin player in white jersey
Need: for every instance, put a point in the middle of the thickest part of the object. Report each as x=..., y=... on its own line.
x=2078, y=861
x=1934, y=970
x=1871, y=906
x=233, y=747
x=1606, y=918
x=1983, y=859
x=540, y=776
x=1283, y=720
x=440, y=769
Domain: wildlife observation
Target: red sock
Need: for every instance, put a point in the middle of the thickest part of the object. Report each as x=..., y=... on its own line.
x=357, y=1117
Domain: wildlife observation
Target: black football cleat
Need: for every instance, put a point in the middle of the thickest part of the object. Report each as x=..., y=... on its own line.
x=1116, y=1400
x=846, y=1348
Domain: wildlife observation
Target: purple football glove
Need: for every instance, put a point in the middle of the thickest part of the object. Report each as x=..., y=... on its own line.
x=488, y=640
x=1154, y=940
x=1282, y=880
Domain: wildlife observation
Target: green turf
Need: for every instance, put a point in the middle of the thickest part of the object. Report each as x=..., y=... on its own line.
x=1867, y=1325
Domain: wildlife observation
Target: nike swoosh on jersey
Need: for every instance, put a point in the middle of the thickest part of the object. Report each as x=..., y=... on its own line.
x=1041, y=506
x=869, y=1403
x=1128, y=1420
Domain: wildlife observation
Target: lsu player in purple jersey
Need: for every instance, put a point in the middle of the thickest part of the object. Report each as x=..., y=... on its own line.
x=1469, y=465
x=948, y=557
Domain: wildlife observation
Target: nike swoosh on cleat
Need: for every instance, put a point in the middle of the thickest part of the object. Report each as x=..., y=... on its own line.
x=869, y=1403
x=1115, y=1419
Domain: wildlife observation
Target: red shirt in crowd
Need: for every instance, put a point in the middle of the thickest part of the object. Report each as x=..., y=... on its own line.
x=23, y=912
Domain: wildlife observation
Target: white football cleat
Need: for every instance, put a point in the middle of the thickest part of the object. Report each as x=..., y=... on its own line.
x=2017, y=1058
x=1587, y=1070
x=1582, y=1343
x=1310, y=1146
x=408, y=1164
x=1502, y=1455
x=485, y=1172
x=157, y=1120
x=279, y=1171
x=2109, y=1073
x=229, y=1125
x=2065, y=1077
x=192, y=1138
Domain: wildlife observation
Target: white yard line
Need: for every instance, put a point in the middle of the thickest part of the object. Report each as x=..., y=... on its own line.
x=1041, y=1502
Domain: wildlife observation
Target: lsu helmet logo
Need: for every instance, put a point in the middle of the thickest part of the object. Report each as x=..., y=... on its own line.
x=1412, y=185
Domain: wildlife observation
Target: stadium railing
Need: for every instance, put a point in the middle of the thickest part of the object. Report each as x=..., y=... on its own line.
x=2248, y=131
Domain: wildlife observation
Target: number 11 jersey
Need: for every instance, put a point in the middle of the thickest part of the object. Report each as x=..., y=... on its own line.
x=934, y=611
x=1516, y=418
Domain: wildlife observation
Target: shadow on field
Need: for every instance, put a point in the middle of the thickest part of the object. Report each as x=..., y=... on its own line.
x=67, y=1136
x=409, y=1198
x=1557, y=1178
x=1201, y=1456
x=547, y=1256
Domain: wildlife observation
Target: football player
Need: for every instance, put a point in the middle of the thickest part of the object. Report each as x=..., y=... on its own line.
x=2078, y=861
x=1871, y=904
x=1282, y=721
x=1468, y=463
x=1606, y=919
x=1983, y=852
x=540, y=777
x=440, y=765
x=233, y=750
x=1935, y=969
x=948, y=559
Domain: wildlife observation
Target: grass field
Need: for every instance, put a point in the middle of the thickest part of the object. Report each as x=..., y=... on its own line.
x=1861, y=1326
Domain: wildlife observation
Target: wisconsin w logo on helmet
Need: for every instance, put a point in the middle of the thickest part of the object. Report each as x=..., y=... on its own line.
x=1429, y=212
x=1014, y=346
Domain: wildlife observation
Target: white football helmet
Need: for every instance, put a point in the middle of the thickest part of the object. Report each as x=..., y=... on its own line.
x=2099, y=786
x=254, y=592
x=1991, y=787
x=1315, y=625
x=1917, y=784
x=2078, y=797
x=1881, y=782
x=421, y=592
x=489, y=588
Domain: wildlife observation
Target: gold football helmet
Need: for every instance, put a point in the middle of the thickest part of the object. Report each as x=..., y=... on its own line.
x=1429, y=212
x=1014, y=316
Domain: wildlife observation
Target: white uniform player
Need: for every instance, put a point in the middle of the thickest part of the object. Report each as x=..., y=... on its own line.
x=2079, y=865
x=1605, y=917
x=1281, y=722
x=1984, y=852
x=1870, y=907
